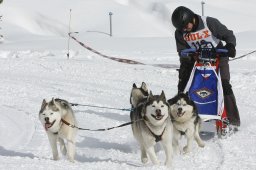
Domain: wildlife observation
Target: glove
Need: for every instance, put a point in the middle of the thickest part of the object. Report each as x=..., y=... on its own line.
x=189, y=58
x=231, y=50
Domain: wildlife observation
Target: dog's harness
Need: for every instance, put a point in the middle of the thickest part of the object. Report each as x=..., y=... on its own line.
x=157, y=137
x=182, y=133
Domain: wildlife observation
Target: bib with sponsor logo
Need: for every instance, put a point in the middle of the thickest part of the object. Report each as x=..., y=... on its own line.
x=193, y=38
x=205, y=89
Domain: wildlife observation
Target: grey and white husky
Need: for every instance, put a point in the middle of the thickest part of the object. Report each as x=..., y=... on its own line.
x=155, y=126
x=52, y=115
x=138, y=96
x=185, y=121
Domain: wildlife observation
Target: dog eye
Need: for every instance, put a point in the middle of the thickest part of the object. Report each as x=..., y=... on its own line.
x=51, y=113
x=43, y=114
x=162, y=105
x=153, y=106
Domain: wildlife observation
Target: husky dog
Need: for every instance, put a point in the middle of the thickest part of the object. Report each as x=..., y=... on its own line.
x=185, y=120
x=138, y=94
x=137, y=97
x=52, y=115
x=155, y=125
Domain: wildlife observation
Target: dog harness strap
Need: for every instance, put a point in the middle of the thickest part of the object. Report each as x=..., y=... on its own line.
x=157, y=137
x=181, y=132
x=64, y=121
x=125, y=124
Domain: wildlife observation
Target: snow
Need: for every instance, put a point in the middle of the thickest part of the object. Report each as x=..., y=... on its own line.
x=34, y=66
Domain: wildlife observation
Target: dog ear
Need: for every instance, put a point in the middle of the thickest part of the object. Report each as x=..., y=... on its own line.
x=53, y=105
x=150, y=93
x=150, y=97
x=53, y=101
x=144, y=87
x=162, y=96
x=64, y=104
x=174, y=99
x=171, y=101
x=134, y=85
x=44, y=103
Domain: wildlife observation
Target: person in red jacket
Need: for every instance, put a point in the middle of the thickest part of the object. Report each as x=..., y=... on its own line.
x=191, y=29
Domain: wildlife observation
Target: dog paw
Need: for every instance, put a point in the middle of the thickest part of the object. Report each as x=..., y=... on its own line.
x=56, y=158
x=186, y=149
x=156, y=162
x=177, y=151
x=144, y=160
x=72, y=160
x=201, y=144
x=168, y=163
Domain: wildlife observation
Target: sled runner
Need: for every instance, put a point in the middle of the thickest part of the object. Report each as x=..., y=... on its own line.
x=204, y=86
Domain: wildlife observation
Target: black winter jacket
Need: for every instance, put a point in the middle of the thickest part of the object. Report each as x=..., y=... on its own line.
x=218, y=30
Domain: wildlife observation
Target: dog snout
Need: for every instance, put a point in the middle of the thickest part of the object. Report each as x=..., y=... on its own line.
x=158, y=111
x=46, y=119
x=179, y=109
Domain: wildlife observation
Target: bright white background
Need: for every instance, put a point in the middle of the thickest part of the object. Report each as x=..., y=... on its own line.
x=34, y=66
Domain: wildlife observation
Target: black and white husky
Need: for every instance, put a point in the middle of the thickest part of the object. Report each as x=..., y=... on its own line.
x=52, y=115
x=155, y=126
x=185, y=121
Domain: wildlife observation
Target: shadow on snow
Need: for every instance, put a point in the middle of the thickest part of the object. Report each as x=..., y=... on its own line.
x=5, y=152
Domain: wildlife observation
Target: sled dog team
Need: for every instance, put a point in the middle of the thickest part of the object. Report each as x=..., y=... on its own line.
x=160, y=120
x=164, y=121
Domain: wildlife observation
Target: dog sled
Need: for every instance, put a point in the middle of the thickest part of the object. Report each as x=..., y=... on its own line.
x=205, y=88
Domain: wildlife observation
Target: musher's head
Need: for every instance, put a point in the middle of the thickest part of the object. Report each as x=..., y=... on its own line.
x=183, y=19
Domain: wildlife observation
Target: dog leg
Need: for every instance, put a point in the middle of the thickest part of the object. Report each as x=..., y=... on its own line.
x=168, y=152
x=152, y=154
x=144, y=157
x=53, y=142
x=199, y=141
x=71, y=150
x=63, y=148
x=175, y=141
x=190, y=137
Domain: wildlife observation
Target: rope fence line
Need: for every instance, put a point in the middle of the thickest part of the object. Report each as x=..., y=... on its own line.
x=242, y=56
x=128, y=61
x=122, y=60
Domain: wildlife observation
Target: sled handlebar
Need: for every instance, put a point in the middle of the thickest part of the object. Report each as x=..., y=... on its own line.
x=187, y=52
